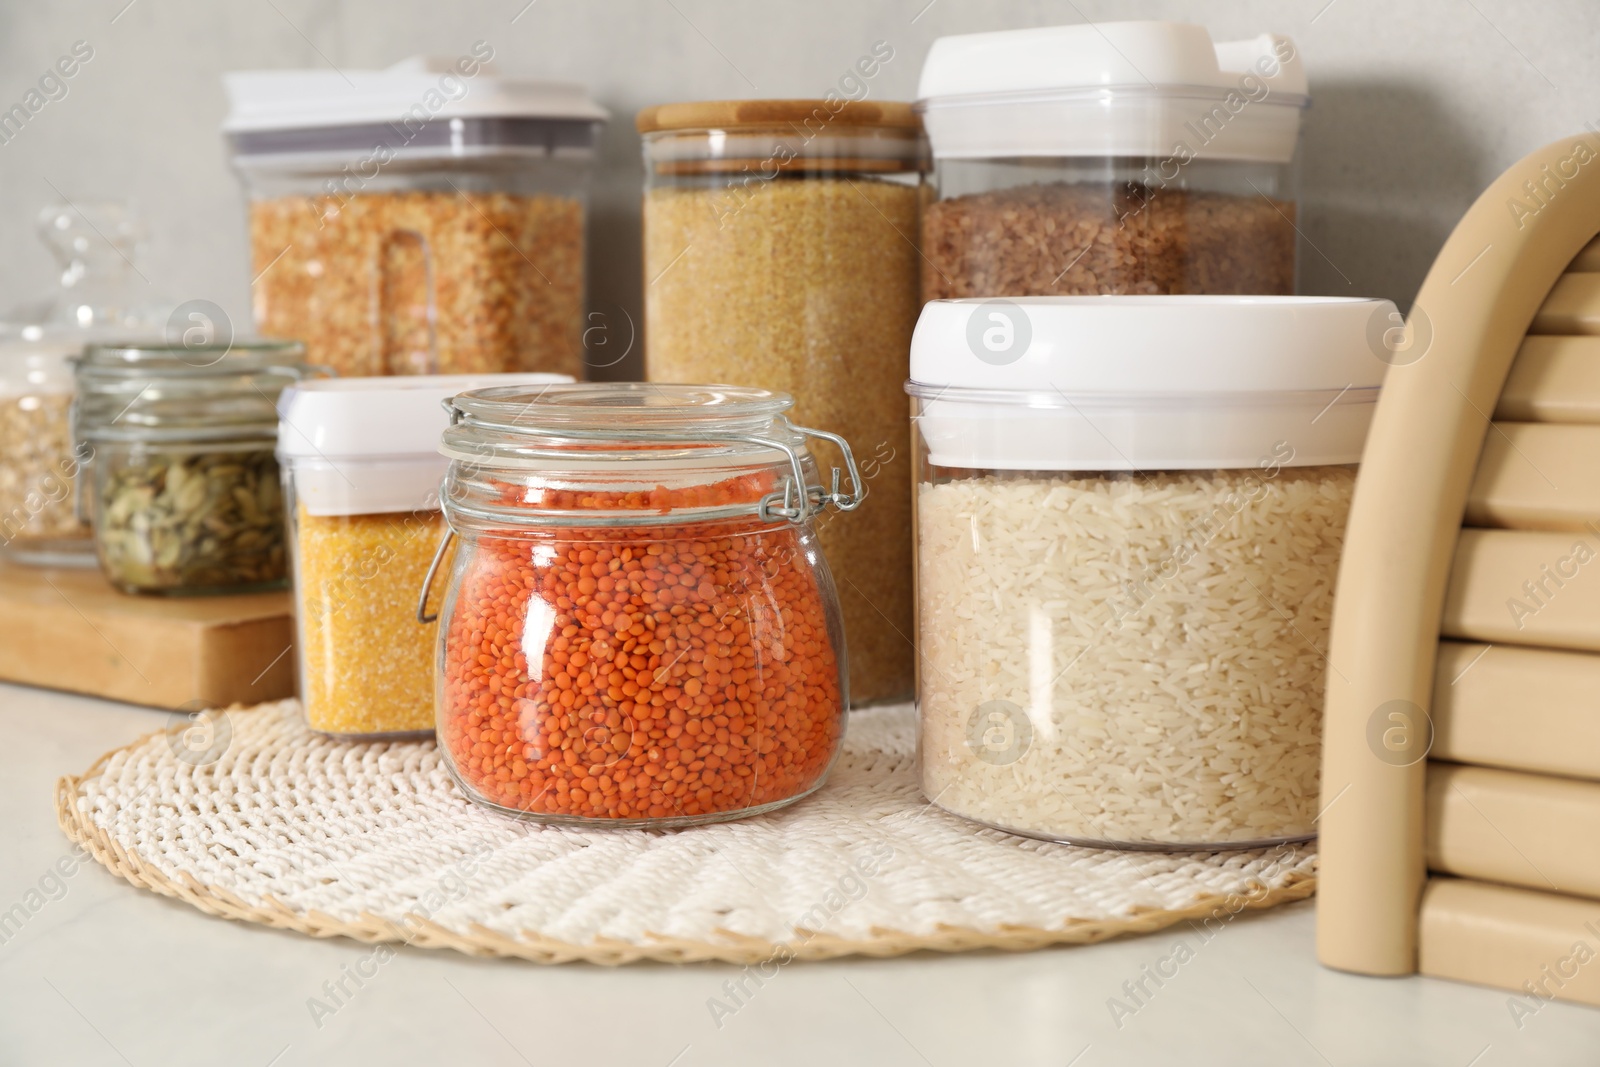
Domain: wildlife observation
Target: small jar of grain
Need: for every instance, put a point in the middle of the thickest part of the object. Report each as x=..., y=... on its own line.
x=780, y=252
x=1130, y=157
x=638, y=628
x=1129, y=518
x=361, y=472
x=39, y=463
x=424, y=219
x=178, y=441
x=97, y=297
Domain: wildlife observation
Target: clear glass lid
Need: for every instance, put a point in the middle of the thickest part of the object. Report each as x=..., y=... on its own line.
x=99, y=293
x=644, y=441
x=626, y=411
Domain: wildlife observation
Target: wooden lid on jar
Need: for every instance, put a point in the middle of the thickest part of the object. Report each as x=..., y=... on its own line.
x=772, y=137
x=733, y=114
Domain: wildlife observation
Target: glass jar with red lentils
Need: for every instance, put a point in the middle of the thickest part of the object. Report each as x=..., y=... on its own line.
x=638, y=628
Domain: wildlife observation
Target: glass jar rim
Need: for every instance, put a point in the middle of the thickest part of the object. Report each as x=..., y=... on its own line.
x=162, y=359
x=151, y=391
x=629, y=411
x=649, y=429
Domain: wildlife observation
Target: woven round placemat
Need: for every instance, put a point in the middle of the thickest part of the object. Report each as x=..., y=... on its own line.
x=260, y=820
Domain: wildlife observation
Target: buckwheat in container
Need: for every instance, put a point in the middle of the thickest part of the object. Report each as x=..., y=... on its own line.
x=1123, y=157
x=1129, y=518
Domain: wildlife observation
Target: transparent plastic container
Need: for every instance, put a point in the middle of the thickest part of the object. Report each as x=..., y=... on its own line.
x=361, y=471
x=778, y=243
x=186, y=494
x=449, y=240
x=1132, y=157
x=1128, y=534
x=638, y=629
x=96, y=247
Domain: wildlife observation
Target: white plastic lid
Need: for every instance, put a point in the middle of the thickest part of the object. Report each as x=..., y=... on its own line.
x=444, y=88
x=1148, y=382
x=1147, y=89
x=360, y=446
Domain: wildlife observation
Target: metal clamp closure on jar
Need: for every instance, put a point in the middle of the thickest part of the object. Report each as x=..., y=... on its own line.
x=564, y=426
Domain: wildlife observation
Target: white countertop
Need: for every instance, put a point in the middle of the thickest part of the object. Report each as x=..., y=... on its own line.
x=107, y=974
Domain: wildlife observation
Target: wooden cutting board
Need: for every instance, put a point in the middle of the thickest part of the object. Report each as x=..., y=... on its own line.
x=69, y=629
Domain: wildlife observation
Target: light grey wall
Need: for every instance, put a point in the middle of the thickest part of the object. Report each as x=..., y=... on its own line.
x=1417, y=103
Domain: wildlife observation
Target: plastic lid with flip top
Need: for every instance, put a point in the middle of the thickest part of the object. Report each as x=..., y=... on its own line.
x=1121, y=89
x=418, y=111
x=366, y=446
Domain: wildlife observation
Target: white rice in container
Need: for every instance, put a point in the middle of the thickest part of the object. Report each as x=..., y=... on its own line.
x=1129, y=658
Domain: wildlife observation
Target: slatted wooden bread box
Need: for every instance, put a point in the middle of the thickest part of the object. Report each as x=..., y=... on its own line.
x=1460, y=827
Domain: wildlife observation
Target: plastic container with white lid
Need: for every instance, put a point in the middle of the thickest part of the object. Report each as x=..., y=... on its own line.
x=1122, y=157
x=424, y=219
x=361, y=468
x=1129, y=517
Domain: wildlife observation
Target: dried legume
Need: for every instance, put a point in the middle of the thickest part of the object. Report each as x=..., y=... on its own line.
x=352, y=279
x=675, y=671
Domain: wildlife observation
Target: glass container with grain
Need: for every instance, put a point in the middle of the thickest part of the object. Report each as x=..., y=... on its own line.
x=780, y=252
x=429, y=220
x=1125, y=157
x=638, y=628
x=361, y=471
x=98, y=295
x=178, y=441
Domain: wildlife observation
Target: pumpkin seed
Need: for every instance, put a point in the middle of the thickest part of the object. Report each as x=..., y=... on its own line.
x=190, y=522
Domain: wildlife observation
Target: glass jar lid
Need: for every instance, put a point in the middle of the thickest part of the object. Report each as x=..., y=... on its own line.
x=606, y=455
x=176, y=392
x=98, y=295
x=637, y=437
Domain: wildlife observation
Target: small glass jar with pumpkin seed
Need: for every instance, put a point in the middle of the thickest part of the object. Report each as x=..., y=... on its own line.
x=186, y=493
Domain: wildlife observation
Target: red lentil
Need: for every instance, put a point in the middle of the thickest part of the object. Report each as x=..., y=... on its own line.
x=664, y=672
